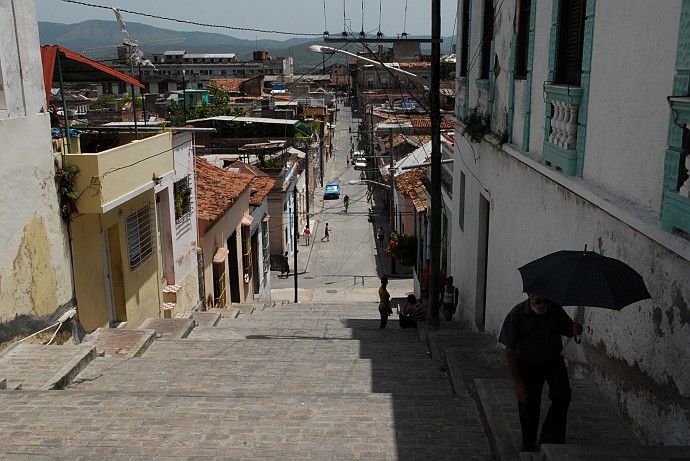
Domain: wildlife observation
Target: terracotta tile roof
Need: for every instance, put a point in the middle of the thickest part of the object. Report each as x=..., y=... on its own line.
x=408, y=182
x=217, y=189
x=247, y=168
x=229, y=84
x=425, y=124
x=447, y=85
x=419, y=199
x=260, y=185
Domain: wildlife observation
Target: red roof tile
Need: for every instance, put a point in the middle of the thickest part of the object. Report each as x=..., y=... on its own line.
x=217, y=189
x=229, y=84
x=408, y=182
x=260, y=185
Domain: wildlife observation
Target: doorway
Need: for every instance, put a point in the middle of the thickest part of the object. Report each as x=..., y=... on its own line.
x=234, y=272
x=115, y=285
x=482, y=262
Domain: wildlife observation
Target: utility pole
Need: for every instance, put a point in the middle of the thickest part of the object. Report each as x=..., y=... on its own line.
x=321, y=158
x=391, y=193
x=435, y=109
x=307, y=177
x=296, y=234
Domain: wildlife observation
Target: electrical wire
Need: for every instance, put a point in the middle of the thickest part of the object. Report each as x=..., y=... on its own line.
x=194, y=23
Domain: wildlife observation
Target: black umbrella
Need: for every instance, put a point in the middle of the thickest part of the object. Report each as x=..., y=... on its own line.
x=583, y=278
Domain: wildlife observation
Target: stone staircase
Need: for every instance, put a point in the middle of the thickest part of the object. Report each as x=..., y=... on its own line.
x=288, y=381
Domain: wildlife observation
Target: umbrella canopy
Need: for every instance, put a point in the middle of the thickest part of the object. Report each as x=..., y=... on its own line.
x=583, y=278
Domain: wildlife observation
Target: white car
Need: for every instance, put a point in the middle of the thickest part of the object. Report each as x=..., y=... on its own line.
x=360, y=163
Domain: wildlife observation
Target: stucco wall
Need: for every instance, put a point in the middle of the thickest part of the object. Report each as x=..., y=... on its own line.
x=627, y=116
x=216, y=237
x=141, y=285
x=35, y=272
x=635, y=353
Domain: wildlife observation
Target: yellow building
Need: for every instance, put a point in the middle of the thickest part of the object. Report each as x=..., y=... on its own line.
x=117, y=269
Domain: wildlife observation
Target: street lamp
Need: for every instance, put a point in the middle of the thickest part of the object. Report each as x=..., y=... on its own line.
x=354, y=182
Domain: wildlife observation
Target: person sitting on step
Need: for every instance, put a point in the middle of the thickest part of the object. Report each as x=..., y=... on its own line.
x=412, y=313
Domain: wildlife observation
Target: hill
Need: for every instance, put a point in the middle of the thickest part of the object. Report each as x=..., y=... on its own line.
x=98, y=39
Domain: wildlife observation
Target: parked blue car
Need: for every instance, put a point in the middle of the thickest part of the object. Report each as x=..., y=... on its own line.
x=332, y=191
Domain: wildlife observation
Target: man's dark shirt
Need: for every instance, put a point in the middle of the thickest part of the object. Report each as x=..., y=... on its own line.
x=536, y=338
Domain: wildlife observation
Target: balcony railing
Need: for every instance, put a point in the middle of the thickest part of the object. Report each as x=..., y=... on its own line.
x=483, y=99
x=461, y=98
x=112, y=176
x=560, y=147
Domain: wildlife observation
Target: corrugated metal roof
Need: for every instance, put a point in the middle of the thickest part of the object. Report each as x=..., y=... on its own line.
x=232, y=118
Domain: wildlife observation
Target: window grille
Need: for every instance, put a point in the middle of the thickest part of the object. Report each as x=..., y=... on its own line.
x=139, y=228
x=267, y=254
x=182, y=194
x=219, y=286
x=246, y=253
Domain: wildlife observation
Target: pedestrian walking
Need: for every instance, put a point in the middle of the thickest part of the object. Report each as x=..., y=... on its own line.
x=384, y=302
x=532, y=333
x=307, y=236
x=381, y=235
x=449, y=300
x=286, y=265
x=326, y=234
x=346, y=202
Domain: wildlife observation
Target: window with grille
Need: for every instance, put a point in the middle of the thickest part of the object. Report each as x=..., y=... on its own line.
x=524, y=13
x=267, y=254
x=487, y=37
x=219, y=286
x=465, y=38
x=246, y=253
x=183, y=193
x=139, y=228
x=571, y=31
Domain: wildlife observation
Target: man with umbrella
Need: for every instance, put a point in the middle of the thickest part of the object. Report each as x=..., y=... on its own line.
x=532, y=333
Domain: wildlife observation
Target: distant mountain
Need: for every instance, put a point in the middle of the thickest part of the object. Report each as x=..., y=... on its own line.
x=98, y=40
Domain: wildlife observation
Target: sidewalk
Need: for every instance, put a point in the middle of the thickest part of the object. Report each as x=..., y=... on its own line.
x=596, y=431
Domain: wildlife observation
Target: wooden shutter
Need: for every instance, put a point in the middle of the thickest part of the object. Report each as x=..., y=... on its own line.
x=487, y=37
x=571, y=37
x=465, y=45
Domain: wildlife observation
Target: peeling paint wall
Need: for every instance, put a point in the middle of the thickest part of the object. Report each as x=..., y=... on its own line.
x=35, y=273
x=638, y=356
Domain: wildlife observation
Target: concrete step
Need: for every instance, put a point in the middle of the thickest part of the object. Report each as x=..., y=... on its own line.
x=283, y=348
x=35, y=366
x=160, y=426
x=168, y=328
x=312, y=375
x=603, y=452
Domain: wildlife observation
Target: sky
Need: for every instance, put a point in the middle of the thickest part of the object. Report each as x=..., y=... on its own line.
x=296, y=16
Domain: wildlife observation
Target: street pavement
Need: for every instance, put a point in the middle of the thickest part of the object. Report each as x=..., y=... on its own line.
x=347, y=267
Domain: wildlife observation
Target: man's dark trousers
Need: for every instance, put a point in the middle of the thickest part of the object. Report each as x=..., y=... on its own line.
x=555, y=374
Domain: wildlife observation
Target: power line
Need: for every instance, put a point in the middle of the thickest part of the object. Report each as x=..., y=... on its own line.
x=194, y=23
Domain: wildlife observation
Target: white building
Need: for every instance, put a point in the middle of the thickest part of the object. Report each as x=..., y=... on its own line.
x=35, y=271
x=586, y=148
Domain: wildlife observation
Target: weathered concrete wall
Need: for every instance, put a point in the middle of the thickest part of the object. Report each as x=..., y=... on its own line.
x=35, y=272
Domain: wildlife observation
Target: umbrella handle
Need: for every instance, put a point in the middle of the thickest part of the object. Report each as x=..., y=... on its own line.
x=577, y=340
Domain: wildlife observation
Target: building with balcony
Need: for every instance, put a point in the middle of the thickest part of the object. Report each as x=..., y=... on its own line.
x=579, y=138
x=119, y=270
